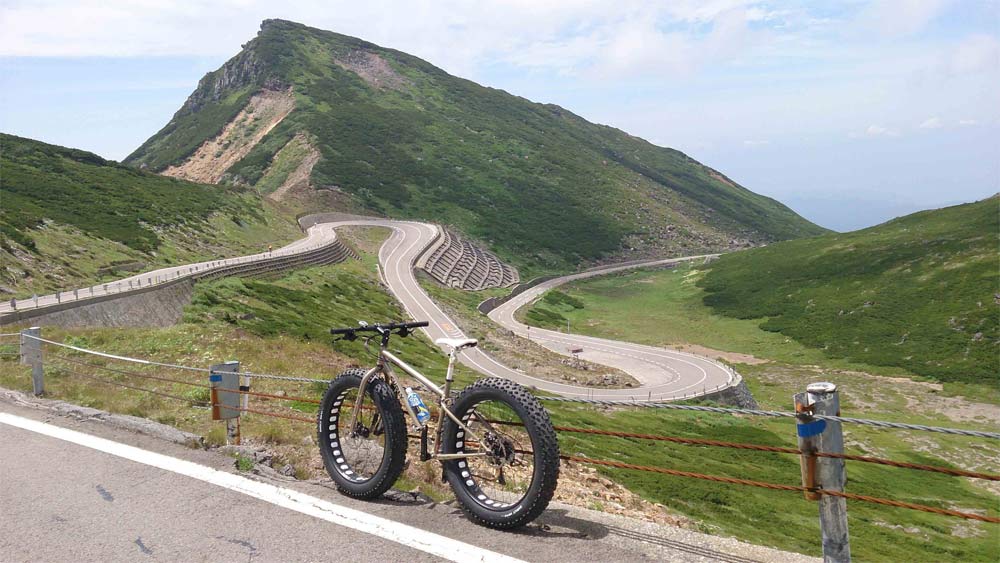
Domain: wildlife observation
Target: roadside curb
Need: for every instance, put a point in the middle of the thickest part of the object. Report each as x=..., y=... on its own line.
x=122, y=421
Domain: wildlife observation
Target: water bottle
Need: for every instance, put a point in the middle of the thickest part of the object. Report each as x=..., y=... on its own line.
x=423, y=415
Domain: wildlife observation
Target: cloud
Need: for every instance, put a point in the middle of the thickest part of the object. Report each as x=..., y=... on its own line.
x=755, y=143
x=623, y=38
x=932, y=123
x=876, y=131
x=968, y=122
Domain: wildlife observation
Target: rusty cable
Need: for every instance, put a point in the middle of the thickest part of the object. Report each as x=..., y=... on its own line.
x=598, y=432
x=774, y=449
x=153, y=391
x=781, y=487
x=266, y=413
x=268, y=395
x=911, y=506
x=907, y=465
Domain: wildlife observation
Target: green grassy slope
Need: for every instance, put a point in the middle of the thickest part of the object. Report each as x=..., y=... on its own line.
x=534, y=180
x=918, y=292
x=665, y=307
x=69, y=216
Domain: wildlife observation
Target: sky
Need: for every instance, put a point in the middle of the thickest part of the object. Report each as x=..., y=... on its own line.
x=849, y=112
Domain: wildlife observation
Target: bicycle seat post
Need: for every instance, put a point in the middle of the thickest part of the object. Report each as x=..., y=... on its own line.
x=450, y=374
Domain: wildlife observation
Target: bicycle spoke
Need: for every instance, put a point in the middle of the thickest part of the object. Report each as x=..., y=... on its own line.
x=362, y=447
x=501, y=477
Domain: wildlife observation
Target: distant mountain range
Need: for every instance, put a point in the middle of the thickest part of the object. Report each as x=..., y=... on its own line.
x=919, y=292
x=317, y=119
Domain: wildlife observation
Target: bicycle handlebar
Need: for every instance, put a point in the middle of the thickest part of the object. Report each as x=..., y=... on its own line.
x=402, y=327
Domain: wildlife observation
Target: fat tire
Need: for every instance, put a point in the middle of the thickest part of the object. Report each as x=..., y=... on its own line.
x=545, y=445
x=394, y=456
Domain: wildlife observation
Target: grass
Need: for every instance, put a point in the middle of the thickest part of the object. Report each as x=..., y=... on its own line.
x=917, y=293
x=665, y=307
x=286, y=335
x=70, y=218
x=541, y=184
x=101, y=198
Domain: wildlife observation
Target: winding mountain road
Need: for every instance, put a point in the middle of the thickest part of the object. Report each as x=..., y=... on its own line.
x=663, y=374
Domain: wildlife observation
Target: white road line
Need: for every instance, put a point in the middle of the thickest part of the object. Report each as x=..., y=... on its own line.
x=403, y=534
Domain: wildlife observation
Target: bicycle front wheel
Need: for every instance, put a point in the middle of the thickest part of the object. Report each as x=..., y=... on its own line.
x=364, y=461
x=512, y=467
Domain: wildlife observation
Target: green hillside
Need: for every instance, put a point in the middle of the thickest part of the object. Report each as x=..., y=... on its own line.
x=402, y=137
x=68, y=216
x=918, y=292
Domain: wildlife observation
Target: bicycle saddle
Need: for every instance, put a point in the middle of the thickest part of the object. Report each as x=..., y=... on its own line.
x=457, y=343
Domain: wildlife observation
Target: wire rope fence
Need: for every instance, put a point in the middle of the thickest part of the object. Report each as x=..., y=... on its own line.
x=232, y=396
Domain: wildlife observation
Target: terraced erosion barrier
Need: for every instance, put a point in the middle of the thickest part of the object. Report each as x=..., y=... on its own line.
x=162, y=303
x=457, y=262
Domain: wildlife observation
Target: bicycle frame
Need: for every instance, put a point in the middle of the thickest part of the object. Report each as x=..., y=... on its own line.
x=384, y=366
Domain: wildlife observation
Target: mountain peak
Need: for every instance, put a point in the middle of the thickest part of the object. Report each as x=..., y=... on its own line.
x=328, y=119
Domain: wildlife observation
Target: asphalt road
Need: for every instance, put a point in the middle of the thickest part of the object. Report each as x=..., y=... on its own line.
x=82, y=490
x=663, y=374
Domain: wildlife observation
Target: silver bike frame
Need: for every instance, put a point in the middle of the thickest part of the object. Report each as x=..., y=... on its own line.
x=385, y=362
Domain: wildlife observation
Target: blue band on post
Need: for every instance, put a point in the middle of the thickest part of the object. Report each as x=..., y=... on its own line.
x=214, y=377
x=811, y=428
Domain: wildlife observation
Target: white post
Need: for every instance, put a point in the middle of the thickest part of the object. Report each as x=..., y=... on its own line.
x=31, y=354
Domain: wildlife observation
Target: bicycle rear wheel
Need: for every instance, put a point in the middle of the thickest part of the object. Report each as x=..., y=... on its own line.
x=513, y=464
x=366, y=460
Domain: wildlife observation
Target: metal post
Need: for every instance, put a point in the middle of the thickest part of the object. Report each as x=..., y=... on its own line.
x=226, y=405
x=823, y=473
x=31, y=353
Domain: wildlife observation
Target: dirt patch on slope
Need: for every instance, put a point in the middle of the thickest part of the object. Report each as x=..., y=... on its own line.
x=717, y=176
x=373, y=69
x=262, y=113
x=298, y=179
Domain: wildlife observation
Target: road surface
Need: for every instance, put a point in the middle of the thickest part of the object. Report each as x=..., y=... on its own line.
x=662, y=374
x=75, y=490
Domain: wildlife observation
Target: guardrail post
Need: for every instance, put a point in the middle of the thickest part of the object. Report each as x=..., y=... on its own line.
x=31, y=354
x=226, y=404
x=823, y=473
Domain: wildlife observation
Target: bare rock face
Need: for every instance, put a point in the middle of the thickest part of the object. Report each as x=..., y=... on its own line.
x=373, y=69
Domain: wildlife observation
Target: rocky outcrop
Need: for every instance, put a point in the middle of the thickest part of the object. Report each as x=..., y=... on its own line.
x=457, y=262
x=243, y=70
x=373, y=69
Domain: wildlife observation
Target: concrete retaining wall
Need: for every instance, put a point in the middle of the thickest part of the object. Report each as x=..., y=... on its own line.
x=156, y=306
x=737, y=396
x=493, y=302
x=163, y=304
